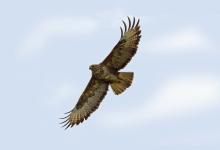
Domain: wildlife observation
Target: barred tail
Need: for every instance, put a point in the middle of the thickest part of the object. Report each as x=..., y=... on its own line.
x=125, y=80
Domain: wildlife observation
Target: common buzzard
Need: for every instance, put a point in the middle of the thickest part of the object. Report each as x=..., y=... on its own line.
x=107, y=73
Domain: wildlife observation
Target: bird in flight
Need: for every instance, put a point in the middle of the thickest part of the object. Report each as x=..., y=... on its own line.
x=107, y=73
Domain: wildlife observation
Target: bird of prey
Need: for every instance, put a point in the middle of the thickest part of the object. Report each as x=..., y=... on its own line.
x=107, y=73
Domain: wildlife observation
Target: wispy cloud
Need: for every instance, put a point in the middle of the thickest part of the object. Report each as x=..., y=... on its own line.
x=36, y=39
x=185, y=40
x=180, y=96
x=58, y=95
x=111, y=16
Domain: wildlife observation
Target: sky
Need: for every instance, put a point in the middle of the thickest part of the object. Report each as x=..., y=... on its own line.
x=45, y=52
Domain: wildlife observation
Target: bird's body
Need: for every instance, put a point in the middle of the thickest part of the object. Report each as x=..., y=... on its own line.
x=103, y=73
x=119, y=81
x=107, y=73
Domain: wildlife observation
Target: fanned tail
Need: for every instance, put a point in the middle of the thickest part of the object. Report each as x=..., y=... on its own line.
x=125, y=80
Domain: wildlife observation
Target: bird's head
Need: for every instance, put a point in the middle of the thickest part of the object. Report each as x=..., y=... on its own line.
x=93, y=67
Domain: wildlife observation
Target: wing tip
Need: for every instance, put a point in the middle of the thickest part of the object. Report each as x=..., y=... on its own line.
x=131, y=25
x=71, y=121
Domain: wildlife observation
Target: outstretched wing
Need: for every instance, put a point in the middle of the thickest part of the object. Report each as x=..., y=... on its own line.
x=88, y=102
x=126, y=47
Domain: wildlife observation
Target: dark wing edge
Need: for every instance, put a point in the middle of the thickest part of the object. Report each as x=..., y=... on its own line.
x=88, y=102
x=127, y=46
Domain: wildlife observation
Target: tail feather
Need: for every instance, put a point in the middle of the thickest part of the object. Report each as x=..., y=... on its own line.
x=125, y=80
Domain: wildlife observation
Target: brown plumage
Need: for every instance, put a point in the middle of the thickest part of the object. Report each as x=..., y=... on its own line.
x=106, y=73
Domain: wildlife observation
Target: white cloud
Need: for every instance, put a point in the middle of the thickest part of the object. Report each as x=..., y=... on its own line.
x=181, y=96
x=54, y=26
x=111, y=16
x=58, y=95
x=186, y=40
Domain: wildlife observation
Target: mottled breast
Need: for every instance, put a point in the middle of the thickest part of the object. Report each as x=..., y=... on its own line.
x=100, y=71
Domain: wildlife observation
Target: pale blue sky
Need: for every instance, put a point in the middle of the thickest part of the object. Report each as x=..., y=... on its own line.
x=46, y=49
